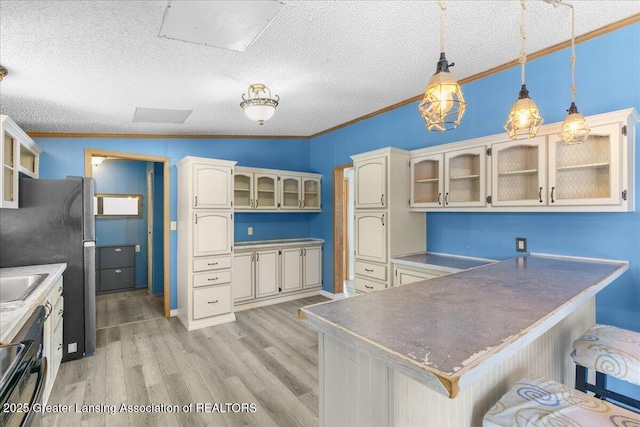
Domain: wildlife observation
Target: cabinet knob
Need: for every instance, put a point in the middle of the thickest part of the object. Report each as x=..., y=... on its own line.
x=118, y=271
x=118, y=250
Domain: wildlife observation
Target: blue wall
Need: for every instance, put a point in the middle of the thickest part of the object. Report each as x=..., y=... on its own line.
x=65, y=156
x=124, y=177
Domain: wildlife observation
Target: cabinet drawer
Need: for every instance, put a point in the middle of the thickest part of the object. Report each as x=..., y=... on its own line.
x=371, y=270
x=117, y=278
x=366, y=285
x=213, y=278
x=211, y=263
x=211, y=301
x=116, y=257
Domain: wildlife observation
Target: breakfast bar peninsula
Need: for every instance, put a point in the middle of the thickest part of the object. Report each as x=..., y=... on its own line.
x=441, y=352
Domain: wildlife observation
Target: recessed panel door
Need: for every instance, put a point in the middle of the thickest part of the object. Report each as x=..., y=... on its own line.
x=212, y=233
x=291, y=269
x=267, y=277
x=312, y=267
x=371, y=183
x=211, y=187
x=243, y=276
x=371, y=236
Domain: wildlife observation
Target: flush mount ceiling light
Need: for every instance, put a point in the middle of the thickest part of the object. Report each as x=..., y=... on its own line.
x=442, y=106
x=259, y=105
x=574, y=128
x=524, y=119
x=3, y=72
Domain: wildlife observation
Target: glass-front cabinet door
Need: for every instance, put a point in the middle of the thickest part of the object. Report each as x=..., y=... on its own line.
x=588, y=173
x=290, y=192
x=9, y=171
x=465, y=178
x=243, y=190
x=427, y=181
x=519, y=173
x=265, y=191
x=310, y=193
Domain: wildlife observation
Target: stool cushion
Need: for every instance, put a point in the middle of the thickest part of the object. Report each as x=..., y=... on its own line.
x=610, y=350
x=539, y=402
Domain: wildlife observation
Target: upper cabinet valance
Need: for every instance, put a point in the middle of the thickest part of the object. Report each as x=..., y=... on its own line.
x=539, y=174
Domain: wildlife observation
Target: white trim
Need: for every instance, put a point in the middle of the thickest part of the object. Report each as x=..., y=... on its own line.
x=332, y=295
x=214, y=320
x=173, y=313
x=277, y=300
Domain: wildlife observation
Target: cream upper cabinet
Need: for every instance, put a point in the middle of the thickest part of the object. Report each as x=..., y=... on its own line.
x=211, y=186
x=290, y=192
x=212, y=233
x=427, y=181
x=519, y=173
x=371, y=183
x=371, y=231
x=465, y=177
x=19, y=156
x=243, y=197
x=588, y=173
x=311, y=193
x=265, y=191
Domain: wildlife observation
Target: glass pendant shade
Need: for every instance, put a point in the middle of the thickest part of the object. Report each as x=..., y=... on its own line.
x=574, y=128
x=258, y=107
x=443, y=105
x=524, y=119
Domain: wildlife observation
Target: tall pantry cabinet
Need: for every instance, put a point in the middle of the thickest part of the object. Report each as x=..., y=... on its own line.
x=205, y=241
x=384, y=226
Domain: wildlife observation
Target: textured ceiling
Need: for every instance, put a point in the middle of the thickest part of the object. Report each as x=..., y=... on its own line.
x=84, y=66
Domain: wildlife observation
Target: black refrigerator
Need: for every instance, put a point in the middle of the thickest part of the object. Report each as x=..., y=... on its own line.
x=53, y=224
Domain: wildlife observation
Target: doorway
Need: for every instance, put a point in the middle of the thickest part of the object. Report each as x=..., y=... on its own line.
x=161, y=164
x=342, y=245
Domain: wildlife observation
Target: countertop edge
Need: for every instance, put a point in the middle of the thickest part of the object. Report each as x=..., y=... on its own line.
x=19, y=316
x=239, y=246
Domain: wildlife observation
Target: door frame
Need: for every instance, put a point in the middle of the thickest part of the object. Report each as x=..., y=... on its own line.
x=150, y=199
x=338, y=228
x=166, y=161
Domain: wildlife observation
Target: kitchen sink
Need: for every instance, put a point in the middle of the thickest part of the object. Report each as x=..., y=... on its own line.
x=18, y=288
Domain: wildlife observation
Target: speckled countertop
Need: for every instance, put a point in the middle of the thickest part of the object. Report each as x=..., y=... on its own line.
x=445, y=326
x=277, y=243
x=445, y=262
x=13, y=315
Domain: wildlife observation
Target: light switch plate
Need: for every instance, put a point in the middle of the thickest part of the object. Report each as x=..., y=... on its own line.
x=137, y=248
x=174, y=225
x=521, y=244
x=250, y=231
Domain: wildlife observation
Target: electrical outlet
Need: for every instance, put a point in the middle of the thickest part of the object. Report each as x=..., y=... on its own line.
x=137, y=248
x=72, y=348
x=521, y=244
x=250, y=231
x=174, y=225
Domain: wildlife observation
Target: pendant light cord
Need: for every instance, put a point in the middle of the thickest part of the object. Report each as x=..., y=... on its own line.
x=443, y=7
x=573, y=51
x=523, y=54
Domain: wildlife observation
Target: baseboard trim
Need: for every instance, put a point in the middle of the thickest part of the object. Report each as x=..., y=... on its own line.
x=332, y=295
x=277, y=300
x=173, y=313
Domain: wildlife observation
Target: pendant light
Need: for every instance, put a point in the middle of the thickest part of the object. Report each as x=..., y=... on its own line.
x=574, y=128
x=442, y=106
x=524, y=119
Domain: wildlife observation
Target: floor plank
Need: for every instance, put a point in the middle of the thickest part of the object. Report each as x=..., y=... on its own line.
x=267, y=358
x=126, y=307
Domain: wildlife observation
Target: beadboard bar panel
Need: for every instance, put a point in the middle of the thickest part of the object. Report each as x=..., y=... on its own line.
x=547, y=356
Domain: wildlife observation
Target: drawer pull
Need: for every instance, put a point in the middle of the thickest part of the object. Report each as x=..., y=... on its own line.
x=215, y=278
x=370, y=270
x=60, y=290
x=118, y=250
x=368, y=287
x=212, y=302
x=61, y=312
x=48, y=308
x=60, y=346
x=212, y=263
x=118, y=271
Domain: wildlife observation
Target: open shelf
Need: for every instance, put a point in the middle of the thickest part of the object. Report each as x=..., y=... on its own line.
x=520, y=172
x=585, y=166
x=290, y=192
x=265, y=191
x=241, y=189
x=452, y=178
x=427, y=180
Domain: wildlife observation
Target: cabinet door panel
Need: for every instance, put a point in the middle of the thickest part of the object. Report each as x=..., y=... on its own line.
x=310, y=193
x=465, y=178
x=312, y=267
x=290, y=192
x=212, y=233
x=243, y=277
x=371, y=183
x=243, y=190
x=427, y=181
x=291, y=269
x=267, y=277
x=519, y=173
x=588, y=173
x=371, y=236
x=211, y=187
x=265, y=191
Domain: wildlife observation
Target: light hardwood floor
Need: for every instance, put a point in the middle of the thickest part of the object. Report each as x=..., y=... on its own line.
x=126, y=307
x=267, y=357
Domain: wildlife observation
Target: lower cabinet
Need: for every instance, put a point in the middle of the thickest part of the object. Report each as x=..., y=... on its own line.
x=268, y=273
x=403, y=274
x=115, y=268
x=52, y=335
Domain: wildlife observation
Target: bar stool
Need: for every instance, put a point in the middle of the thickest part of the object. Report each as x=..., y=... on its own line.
x=610, y=351
x=537, y=401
